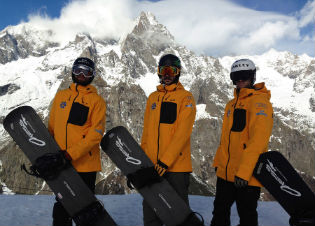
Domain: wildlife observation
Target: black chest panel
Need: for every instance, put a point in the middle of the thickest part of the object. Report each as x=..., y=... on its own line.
x=168, y=113
x=239, y=120
x=78, y=114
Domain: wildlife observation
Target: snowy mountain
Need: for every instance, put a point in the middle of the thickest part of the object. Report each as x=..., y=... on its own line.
x=33, y=67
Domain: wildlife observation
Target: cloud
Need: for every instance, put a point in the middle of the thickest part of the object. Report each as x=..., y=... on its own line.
x=212, y=27
x=219, y=27
x=110, y=18
x=307, y=14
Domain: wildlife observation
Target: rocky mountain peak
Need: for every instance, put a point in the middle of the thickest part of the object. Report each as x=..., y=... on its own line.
x=148, y=28
x=22, y=41
x=87, y=44
x=144, y=22
x=127, y=74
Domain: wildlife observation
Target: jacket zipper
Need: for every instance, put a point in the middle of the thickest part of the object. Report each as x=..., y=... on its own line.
x=227, y=164
x=76, y=88
x=158, y=140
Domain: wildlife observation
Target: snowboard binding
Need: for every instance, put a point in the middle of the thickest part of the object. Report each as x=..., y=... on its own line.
x=193, y=220
x=306, y=218
x=89, y=215
x=143, y=177
x=48, y=166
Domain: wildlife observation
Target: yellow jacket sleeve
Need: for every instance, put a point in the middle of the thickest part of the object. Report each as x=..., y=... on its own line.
x=95, y=133
x=260, y=128
x=186, y=119
x=145, y=126
x=216, y=157
x=51, y=120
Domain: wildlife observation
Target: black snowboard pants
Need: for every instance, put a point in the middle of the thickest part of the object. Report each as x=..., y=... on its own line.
x=246, y=203
x=60, y=215
x=180, y=182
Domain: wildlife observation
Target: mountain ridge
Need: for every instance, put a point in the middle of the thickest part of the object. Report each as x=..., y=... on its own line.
x=126, y=70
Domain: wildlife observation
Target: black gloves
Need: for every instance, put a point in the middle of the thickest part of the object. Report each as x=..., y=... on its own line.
x=240, y=183
x=160, y=167
x=143, y=177
x=146, y=176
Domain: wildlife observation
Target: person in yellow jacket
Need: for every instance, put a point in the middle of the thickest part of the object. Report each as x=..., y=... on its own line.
x=77, y=123
x=247, y=126
x=168, y=122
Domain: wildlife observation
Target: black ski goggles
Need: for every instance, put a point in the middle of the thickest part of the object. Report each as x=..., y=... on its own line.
x=241, y=75
x=82, y=69
x=168, y=70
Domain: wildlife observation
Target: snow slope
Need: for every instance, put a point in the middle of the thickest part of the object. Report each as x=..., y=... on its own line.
x=29, y=210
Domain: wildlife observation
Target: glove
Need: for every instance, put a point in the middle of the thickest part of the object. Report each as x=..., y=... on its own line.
x=239, y=182
x=143, y=177
x=160, y=167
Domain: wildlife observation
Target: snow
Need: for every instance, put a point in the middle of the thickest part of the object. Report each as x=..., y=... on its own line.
x=126, y=210
x=102, y=50
x=148, y=83
x=202, y=113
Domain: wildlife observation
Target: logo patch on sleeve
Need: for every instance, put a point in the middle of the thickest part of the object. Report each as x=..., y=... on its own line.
x=261, y=105
x=63, y=104
x=99, y=131
x=153, y=106
x=262, y=112
x=228, y=113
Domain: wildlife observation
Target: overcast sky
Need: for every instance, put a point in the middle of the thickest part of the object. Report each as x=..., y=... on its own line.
x=210, y=27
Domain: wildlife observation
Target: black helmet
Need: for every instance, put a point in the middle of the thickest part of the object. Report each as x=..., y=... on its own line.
x=243, y=69
x=84, y=64
x=170, y=60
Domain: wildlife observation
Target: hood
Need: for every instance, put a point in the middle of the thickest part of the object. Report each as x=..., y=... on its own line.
x=82, y=89
x=173, y=87
x=259, y=89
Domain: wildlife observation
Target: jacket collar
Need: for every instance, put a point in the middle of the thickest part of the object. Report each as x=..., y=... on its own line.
x=173, y=87
x=82, y=89
x=259, y=89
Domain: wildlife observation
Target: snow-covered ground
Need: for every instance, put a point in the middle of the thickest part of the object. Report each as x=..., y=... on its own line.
x=126, y=210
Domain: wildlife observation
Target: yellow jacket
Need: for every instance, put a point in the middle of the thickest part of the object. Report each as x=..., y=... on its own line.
x=168, y=122
x=77, y=122
x=247, y=126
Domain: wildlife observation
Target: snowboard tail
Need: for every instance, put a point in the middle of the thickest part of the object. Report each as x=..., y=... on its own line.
x=126, y=153
x=29, y=132
x=278, y=176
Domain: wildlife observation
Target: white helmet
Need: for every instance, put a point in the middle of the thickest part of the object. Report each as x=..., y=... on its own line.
x=243, y=69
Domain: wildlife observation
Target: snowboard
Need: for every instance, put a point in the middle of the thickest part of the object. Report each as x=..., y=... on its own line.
x=278, y=176
x=29, y=132
x=128, y=156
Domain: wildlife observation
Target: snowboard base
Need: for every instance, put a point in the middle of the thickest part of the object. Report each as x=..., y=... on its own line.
x=31, y=135
x=278, y=176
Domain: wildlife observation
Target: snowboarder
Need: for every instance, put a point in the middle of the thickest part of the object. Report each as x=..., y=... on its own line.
x=77, y=123
x=247, y=126
x=168, y=122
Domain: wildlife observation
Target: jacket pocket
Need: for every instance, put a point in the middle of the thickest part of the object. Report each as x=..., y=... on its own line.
x=168, y=112
x=78, y=114
x=239, y=120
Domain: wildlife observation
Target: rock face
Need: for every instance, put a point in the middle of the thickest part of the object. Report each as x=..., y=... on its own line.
x=126, y=74
x=23, y=41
